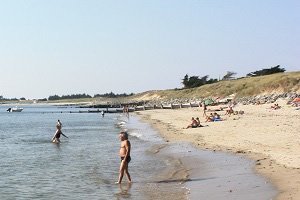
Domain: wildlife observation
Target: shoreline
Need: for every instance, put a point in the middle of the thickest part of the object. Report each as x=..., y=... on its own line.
x=191, y=173
x=269, y=143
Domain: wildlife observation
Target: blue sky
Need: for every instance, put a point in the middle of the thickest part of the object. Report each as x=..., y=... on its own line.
x=63, y=47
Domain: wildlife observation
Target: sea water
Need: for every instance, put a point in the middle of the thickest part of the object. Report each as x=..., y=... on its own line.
x=83, y=166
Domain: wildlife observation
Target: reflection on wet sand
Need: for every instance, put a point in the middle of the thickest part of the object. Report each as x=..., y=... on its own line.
x=124, y=191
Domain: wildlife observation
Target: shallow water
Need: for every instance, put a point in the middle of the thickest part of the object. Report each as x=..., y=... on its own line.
x=83, y=166
x=35, y=168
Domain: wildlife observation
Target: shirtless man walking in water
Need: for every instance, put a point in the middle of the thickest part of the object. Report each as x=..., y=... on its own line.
x=58, y=132
x=125, y=157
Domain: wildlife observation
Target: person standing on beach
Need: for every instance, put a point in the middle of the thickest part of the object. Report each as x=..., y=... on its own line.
x=204, y=109
x=125, y=156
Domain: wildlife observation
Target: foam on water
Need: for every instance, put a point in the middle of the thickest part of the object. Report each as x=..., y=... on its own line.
x=134, y=134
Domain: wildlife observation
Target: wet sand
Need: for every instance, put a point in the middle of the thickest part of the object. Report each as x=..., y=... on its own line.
x=203, y=174
x=269, y=137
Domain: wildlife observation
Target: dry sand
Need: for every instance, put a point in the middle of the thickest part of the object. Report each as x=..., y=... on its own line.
x=270, y=137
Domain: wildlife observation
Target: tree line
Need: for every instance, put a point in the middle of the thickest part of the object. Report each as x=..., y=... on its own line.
x=72, y=96
x=195, y=81
x=113, y=95
x=81, y=96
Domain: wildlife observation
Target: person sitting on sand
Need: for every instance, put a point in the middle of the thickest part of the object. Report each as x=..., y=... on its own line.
x=210, y=118
x=229, y=111
x=198, y=122
x=217, y=117
x=275, y=107
x=194, y=123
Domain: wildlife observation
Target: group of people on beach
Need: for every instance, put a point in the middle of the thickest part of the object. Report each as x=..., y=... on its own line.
x=194, y=123
x=213, y=117
x=124, y=150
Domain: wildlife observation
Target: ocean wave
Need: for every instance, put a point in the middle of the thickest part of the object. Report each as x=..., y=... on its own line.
x=135, y=134
x=121, y=124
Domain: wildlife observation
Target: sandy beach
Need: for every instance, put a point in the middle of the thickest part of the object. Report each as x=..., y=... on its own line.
x=269, y=137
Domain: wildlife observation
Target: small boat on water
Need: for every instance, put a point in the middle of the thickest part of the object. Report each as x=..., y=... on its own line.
x=14, y=109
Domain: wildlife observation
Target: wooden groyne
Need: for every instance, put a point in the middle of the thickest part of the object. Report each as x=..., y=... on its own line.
x=166, y=106
x=119, y=109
